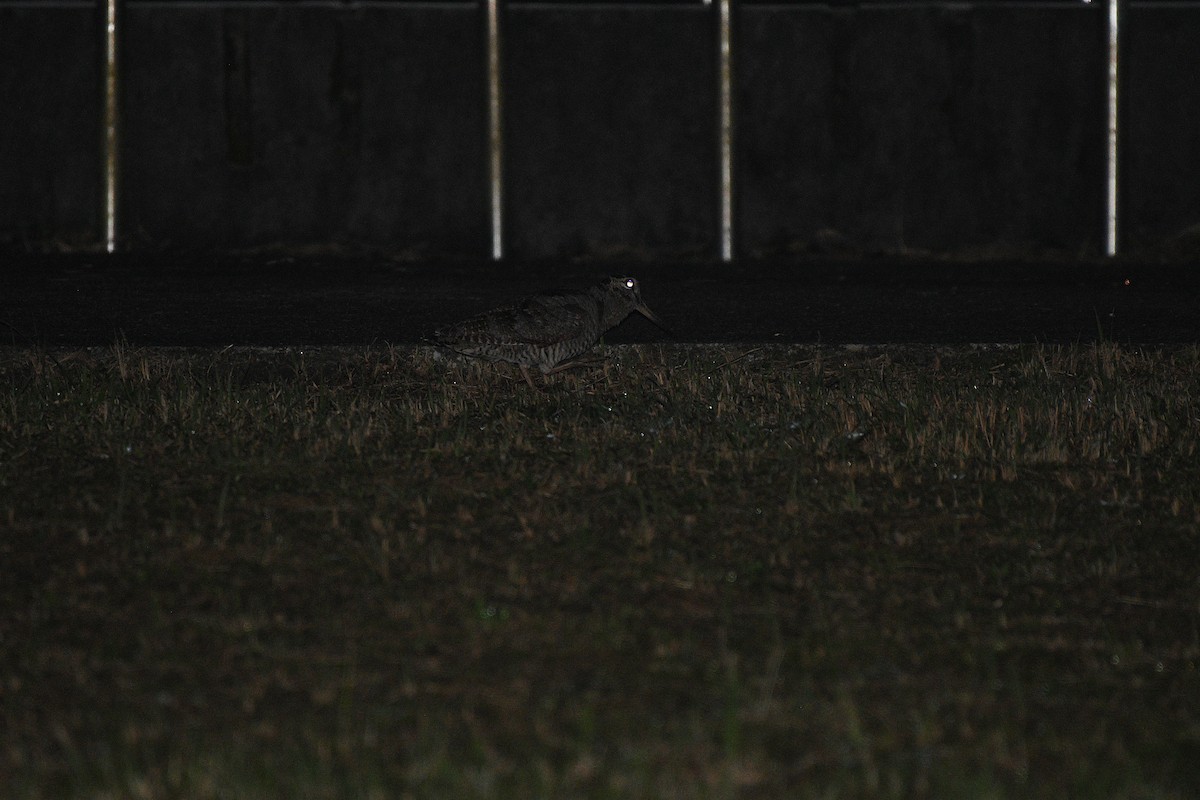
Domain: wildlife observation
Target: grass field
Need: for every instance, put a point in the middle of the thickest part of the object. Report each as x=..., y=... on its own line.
x=683, y=573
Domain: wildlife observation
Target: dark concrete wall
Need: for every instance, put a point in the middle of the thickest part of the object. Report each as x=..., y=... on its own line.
x=921, y=128
x=942, y=127
x=265, y=124
x=50, y=125
x=1161, y=127
x=611, y=136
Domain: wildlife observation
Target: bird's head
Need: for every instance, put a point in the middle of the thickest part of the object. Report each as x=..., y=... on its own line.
x=630, y=293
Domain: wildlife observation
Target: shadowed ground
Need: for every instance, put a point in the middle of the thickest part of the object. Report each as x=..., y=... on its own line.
x=691, y=572
x=688, y=571
x=221, y=300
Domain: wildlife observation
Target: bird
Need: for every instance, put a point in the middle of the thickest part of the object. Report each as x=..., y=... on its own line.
x=546, y=330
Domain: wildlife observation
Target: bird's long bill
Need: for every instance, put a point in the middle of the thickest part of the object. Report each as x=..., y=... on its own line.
x=650, y=315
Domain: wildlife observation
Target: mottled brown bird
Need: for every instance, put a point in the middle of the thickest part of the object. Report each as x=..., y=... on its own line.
x=546, y=330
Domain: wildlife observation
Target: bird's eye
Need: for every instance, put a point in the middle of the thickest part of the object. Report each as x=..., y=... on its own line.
x=629, y=282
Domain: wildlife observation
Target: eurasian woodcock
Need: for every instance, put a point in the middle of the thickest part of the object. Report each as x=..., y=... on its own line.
x=546, y=330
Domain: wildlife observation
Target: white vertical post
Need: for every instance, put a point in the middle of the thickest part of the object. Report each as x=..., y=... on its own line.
x=495, y=140
x=725, y=70
x=1114, y=39
x=111, y=125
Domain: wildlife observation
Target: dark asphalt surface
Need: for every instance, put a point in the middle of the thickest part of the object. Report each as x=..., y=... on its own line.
x=191, y=300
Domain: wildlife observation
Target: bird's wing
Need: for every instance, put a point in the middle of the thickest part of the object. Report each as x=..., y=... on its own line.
x=543, y=321
x=540, y=320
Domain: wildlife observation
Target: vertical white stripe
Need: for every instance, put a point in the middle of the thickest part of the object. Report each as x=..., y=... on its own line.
x=495, y=142
x=726, y=131
x=110, y=126
x=1110, y=239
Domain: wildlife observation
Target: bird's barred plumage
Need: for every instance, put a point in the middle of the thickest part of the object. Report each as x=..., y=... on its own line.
x=546, y=330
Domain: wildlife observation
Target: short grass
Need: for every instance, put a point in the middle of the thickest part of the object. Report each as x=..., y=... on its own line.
x=681, y=573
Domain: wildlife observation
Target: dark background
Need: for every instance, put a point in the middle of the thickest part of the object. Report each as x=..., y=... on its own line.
x=317, y=172
x=948, y=128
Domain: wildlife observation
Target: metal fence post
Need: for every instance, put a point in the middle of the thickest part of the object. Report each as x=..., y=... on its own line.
x=111, y=123
x=495, y=130
x=725, y=77
x=1114, y=48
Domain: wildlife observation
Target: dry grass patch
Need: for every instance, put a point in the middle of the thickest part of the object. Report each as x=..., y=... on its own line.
x=685, y=572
